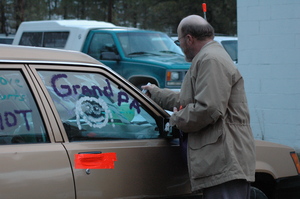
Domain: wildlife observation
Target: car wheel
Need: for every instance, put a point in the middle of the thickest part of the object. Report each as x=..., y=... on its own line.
x=257, y=194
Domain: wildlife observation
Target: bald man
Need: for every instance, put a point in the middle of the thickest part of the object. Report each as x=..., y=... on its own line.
x=211, y=109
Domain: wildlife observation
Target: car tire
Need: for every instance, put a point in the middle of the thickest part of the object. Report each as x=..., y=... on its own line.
x=255, y=193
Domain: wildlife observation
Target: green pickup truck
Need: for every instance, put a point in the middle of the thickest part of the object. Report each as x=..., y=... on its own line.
x=140, y=56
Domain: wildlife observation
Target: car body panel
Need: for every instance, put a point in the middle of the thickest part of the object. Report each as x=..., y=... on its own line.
x=137, y=160
x=27, y=171
x=148, y=161
x=267, y=163
x=136, y=166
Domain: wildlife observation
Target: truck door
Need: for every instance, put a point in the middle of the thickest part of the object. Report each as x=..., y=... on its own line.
x=102, y=46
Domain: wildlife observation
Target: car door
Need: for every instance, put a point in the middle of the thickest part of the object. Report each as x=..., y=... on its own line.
x=33, y=164
x=114, y=136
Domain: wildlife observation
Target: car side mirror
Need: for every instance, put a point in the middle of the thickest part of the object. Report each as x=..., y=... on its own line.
x=109, y=56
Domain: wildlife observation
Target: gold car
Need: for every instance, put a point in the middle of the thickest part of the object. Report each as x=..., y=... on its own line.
x=72, y=128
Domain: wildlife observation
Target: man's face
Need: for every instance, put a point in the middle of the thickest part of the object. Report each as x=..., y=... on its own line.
x=184, y=45
x=186, y=48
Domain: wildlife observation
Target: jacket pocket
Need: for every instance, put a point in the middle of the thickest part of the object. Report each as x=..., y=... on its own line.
x=207, y=154
x=206, y=136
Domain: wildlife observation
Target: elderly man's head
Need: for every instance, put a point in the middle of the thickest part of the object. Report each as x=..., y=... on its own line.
x=193, y=33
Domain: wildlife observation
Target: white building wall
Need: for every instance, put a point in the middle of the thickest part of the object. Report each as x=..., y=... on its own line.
x=269, y=60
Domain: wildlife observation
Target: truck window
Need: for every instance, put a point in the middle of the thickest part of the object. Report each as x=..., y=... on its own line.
x=134, y=43
x=101, y=42
x=20, y=119
x=92, y=107
x=44, y=39
x=231, y=48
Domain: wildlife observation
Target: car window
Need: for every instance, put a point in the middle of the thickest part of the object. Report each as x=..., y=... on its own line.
x=92, y=107
x=101, y=43
x=20, y=120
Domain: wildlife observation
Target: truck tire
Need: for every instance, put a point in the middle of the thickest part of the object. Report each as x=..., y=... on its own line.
x=255, y=193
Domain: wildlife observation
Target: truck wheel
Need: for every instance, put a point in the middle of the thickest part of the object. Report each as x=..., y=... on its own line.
x=257, y=194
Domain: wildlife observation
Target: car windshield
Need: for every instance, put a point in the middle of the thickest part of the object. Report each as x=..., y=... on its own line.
x=145, y=43
x=231, y=48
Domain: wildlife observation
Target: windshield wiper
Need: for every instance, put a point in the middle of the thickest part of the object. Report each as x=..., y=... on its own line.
x=142, y=53
x=169, y=52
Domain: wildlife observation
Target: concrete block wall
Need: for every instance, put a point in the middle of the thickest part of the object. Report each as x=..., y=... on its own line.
x=269, y=60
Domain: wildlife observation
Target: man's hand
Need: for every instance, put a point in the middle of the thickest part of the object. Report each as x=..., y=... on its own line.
x=175, y=110
x=148, y=88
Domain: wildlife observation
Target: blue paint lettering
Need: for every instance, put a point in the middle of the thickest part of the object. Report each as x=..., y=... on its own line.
x=10, y=119
x=75, y=87
x=95, y=91
x=122, y=97
x=107, y=89
x=4, y=81
x=53, y=84
x=135, y=104
x=86, y=91
x=23, y=113
x=10, y=122
x=1, y=123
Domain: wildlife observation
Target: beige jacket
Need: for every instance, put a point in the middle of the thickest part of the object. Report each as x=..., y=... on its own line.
x=216, y=117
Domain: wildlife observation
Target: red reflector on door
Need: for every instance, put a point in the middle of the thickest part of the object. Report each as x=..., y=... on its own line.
x=95, y=161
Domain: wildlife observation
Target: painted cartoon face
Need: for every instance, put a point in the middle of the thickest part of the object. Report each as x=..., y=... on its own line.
x=93, y=111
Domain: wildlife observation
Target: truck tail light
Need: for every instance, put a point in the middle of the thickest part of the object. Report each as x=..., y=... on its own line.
x=296, y=161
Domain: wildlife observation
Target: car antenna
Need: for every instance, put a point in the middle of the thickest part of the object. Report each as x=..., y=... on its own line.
x=204, y=10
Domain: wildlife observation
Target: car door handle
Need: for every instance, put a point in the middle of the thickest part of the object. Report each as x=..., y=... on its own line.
x=88, y=171
x=94, y=160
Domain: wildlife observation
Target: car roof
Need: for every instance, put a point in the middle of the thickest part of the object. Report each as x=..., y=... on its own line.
x=25, y=53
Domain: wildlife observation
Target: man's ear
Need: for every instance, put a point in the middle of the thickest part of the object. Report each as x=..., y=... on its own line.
x=189, y=39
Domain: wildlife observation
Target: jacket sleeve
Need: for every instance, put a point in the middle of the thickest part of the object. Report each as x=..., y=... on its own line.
x=212, y=84
x=165, y=98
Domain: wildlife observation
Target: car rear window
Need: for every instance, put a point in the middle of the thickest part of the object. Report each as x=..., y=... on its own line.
x=92, y=107
x=20, y=120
